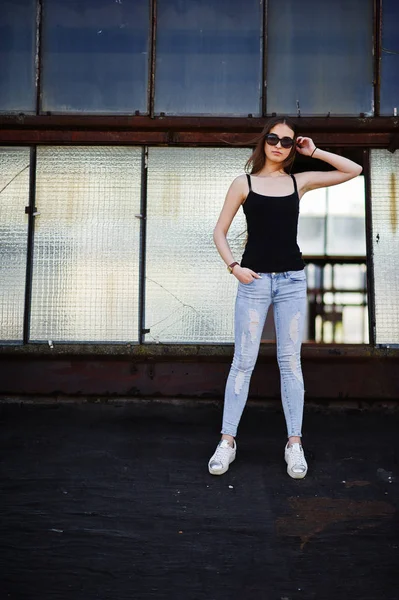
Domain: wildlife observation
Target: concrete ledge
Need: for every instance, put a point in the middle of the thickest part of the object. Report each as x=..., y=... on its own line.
x=182, y=352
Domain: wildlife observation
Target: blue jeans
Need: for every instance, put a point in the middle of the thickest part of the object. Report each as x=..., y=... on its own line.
x=287, y=292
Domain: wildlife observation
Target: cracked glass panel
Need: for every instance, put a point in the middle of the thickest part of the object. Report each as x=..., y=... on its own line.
x=320, y=61
x=17, y=56
x=95, y=56
x=209, y=57
x=14, y=196
x=385, y=224
x=389, y=100
x=86, y=251
x=189, y=293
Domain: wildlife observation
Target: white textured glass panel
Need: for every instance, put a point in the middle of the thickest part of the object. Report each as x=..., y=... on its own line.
x=385, y=219
x=14, y=196
x=189, y=294
x=86, y=254
x=320, y=57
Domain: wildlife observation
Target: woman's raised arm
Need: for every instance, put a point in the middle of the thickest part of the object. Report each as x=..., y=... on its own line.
x=310, y=180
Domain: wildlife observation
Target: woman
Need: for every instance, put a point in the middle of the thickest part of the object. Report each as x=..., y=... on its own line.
x=271, y=272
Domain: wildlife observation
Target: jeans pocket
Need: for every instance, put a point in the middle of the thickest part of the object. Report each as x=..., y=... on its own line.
x=297, y=275
x=247, y=284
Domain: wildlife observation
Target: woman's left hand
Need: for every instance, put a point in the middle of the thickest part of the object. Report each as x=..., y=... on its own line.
x=305, y=145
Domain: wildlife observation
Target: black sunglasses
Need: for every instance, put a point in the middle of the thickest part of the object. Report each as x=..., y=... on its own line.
x=272, y=139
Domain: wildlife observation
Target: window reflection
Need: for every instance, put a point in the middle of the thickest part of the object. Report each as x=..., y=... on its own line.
x=208, y=57
x=320, y=57
x=17, y=55
x=389, y=102
x=95, y=56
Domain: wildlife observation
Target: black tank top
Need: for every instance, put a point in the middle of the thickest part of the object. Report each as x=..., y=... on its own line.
x=272, y=223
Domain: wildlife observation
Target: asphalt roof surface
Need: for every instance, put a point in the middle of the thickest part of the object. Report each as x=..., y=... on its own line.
x=115, y=502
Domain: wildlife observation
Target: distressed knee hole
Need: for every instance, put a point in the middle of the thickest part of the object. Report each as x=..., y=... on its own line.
x=239, y=382
x=294, y=365
x=253, y=323
x=243, y=340
x=294, y=327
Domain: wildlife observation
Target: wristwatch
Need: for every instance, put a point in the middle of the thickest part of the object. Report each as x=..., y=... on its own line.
x=231, y=267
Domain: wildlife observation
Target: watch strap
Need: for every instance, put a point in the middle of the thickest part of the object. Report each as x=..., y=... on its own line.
x=231, y=267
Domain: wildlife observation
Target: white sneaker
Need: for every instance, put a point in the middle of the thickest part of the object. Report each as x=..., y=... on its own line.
x=297, y=466
x=224, y=455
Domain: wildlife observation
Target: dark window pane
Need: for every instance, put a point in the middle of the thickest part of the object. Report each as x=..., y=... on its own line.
x=208, y=57
x=95, y=56
x=320, y=55
x=17, y=55
x=390, y=58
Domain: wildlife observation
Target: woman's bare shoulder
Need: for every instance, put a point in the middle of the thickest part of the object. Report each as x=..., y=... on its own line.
x=238, y=189
x=239, y=184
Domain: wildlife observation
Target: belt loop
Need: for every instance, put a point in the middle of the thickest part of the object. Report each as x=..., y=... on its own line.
x=285, y=274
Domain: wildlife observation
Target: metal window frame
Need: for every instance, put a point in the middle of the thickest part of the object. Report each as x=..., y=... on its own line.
x=152, y=38
x=369, y=249
x=377, y=38
x=30, y=210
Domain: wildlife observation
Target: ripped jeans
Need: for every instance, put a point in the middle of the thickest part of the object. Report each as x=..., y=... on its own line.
x=287, y=292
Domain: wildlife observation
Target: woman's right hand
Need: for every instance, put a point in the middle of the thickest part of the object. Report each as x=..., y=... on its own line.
x=245, y=275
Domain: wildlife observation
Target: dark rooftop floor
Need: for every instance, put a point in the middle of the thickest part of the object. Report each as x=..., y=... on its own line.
x=115, y=502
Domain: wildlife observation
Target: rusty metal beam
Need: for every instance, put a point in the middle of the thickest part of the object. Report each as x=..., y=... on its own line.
x=176, y=138
x=203, y=124
x=347, y=377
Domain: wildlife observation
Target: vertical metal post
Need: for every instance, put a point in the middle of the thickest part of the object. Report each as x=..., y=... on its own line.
x=326, y=222
x=152, y=57
x=143, y=234
x=377, y=35
x=369, y=248
x=30, y=210
x=38, y=57
x=264, y=59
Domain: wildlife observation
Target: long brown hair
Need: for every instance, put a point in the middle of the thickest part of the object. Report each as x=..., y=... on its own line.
x=257, y=160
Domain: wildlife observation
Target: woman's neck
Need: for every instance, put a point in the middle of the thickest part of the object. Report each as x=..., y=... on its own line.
x=265, y=172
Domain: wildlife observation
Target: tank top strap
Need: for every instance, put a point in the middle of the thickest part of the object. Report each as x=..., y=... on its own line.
x=295, y=186
x=249, y=182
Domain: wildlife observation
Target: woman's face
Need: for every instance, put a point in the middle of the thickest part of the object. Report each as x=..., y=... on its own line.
x=278, y=154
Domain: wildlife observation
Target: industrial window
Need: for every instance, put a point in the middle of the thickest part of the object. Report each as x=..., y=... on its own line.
x=14, y=196
x=389, y=100
x=208, y=57
x=189, y=293
x=320, y=57
x=95, y=56
x=332, y=236
x=86, y=250
x=87, y=256
x=17, y=56
x=385, y=219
